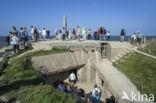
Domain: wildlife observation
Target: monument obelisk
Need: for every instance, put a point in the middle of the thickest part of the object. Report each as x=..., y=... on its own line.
x=65, y=22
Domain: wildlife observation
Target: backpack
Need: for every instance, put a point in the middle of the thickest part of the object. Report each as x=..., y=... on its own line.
x=7, y=39
x=96, y=92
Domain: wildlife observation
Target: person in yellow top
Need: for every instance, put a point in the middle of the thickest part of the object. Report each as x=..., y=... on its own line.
x=84, y=32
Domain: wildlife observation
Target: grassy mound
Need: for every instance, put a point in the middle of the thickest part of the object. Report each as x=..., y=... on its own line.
x=22, y=83
x=141, y=70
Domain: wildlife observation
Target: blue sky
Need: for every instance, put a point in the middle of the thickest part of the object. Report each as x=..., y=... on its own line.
x=134, y=15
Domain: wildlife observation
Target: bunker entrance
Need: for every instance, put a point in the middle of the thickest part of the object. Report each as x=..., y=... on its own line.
x=103, y=48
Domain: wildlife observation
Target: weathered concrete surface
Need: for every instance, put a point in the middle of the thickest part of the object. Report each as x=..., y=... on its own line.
x=58, y=62
x=116, y=81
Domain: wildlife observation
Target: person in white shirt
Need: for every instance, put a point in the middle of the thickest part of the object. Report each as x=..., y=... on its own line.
x=40, y=32
x=108, y=35
x=72, y=77
x=32, y=32
x=96, y=92
x=15, y=42
x=133, y=38
x=44, y=33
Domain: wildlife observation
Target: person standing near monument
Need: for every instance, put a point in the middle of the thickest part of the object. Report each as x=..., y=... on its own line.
x=48, y=33
x=78, y=33
x=44, y=33
x=74, y=34
x=32, y=32
x=139, y=37
x=89, y=34
x=70, y=34
x=40, y=32
x=84, y=32
x=95, y=35
x=64, y=33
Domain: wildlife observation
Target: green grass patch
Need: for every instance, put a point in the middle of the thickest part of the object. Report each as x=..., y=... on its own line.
x=149, y=51
x=22, y=83
x=140, y=69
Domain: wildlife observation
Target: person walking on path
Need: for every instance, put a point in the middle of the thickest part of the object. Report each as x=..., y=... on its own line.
x=74, y=34
x=84, y=32
x=95, y=35
x=123, y=33
x=78, y=33
x=44, y=33
x=89, y=34
x=108, y=35
x=96, y=93
x=15, y=42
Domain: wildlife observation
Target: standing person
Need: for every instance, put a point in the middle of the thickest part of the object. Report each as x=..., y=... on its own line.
x=133, y=38
x=44, y=33
x=35, y=34
x=70, y=34
x=56, y=34
x=64, y=33
x=123, y=33
x=98, y=34
x=48, y=33
x=14, y=42
x=40, y=32
x=72, y=79
x=96, y=94
x=84, y=32
x=108, y=35
x=139, y=38
x=95, y=35
x=22, y=36
x=32, y=32
x=101, y=33
x=89, y=34
x=78, y=33
x=60, y=34
x=104, y=33
x=15, y=31
x=26, y=36
x=7, y=38
x=74, y=34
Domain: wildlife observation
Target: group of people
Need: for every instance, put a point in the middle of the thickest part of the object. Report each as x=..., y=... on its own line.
x=70, y=34
x=16, y=37
x=68, y=88
x=136, y=38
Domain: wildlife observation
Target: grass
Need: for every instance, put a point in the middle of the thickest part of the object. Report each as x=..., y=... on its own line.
x=3, y=65
x=22, y=83
x=150, y=47
x=148, y=50
x=140, y=69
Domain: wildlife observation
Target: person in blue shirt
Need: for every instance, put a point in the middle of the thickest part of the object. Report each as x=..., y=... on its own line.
x=139, y=37
x=61, y=86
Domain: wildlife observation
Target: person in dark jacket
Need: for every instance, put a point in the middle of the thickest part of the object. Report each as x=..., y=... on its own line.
x=95, y=35
x=123, y=33
x=48, y=34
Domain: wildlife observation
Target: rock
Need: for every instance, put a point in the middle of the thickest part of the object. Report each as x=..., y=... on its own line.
x=3, y=99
